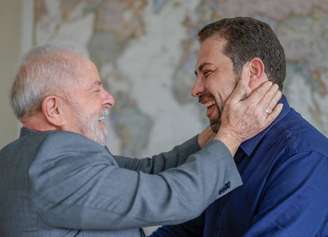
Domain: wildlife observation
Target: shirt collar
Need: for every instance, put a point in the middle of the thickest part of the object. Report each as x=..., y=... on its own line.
x=28, y=131
x=249, y=146
x=25, y=131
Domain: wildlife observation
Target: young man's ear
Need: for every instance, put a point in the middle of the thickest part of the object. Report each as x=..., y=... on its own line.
x=52, y=110
x=257, y=72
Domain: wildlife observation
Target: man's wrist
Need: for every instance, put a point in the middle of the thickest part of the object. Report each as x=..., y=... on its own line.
x=231, y=141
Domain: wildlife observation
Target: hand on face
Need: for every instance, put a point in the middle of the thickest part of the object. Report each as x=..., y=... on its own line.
x=246, y=115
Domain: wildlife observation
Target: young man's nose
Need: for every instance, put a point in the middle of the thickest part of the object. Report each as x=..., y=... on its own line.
x=198, y=87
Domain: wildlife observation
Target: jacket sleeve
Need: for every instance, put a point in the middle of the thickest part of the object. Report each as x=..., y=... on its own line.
x=74, y=184
x=177, y=156
x=295, y=200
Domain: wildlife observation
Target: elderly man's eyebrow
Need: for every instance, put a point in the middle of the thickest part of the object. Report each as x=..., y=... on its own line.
x=95, y=84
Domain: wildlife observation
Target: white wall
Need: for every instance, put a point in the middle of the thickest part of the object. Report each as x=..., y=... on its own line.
x=10, y=46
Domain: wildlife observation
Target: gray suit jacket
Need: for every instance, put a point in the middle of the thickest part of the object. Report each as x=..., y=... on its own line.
x=63, y=184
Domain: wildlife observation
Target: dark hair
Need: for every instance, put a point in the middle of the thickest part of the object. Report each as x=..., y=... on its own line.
x=248, y=38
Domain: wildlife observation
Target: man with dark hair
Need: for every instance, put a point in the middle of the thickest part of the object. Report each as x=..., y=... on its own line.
x=284, y=168
x=247, y=38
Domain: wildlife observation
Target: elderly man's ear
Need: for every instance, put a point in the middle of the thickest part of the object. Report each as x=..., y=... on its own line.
x=52, y=108
x=257, y=73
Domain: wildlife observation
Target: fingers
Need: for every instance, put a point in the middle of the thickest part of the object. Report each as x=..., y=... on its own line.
x=242, y=89
x=274, y=101
x=269, y=96
x=274, y=114
x=258, y=94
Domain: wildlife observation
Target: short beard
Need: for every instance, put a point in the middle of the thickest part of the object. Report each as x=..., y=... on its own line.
x=89, y=127
x=95, y=133
x=215, y=123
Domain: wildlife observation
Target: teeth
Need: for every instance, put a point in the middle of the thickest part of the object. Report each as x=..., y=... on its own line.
x=209, y=104
x=105, y=114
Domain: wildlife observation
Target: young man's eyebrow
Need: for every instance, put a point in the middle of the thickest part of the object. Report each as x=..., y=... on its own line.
x=201, y=67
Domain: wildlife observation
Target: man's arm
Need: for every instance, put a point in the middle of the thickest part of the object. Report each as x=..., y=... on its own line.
x=295, y=199
x=158, y=163
x=177, y=156
x=75, y=184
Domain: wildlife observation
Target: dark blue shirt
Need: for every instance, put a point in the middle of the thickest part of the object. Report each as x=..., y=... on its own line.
x=285, y=193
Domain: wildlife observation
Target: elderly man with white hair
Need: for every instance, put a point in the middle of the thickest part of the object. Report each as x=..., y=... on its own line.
x=59, y=179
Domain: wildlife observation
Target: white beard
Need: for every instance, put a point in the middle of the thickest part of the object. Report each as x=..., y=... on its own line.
x=89, y=127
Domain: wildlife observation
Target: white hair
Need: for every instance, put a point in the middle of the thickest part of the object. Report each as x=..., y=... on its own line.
x=44, y=70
